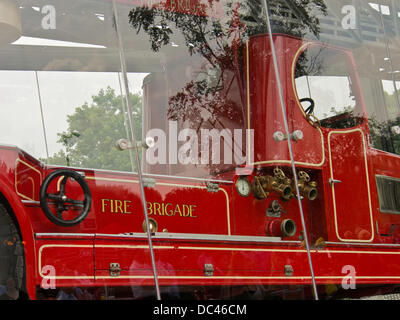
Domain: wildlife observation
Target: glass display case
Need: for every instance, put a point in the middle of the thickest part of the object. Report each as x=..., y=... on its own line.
x=199, y=149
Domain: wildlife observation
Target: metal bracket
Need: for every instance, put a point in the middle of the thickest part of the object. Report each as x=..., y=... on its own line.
x=295, y=135
x=333, y=181
x=125, y=144
x=275, y=210
x=212, y=187
x=115, y=269
x=288, y=270
x=149, y=182
x=208, y=270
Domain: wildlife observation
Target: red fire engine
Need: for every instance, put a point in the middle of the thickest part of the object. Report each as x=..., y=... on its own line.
x=311, y=102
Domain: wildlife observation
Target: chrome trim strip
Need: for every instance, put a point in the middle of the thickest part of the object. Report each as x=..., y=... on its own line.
x=194, y=236
x=65, y=235
x=30, y=202
x=363, y=244
x=173, y=236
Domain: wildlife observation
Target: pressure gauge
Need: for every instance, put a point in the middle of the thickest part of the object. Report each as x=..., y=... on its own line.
x=243, y=186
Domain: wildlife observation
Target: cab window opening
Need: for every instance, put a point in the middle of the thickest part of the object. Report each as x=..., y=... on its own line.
x=323, y=78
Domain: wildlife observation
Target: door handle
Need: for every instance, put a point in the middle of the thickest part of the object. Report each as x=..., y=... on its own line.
x=332, y=181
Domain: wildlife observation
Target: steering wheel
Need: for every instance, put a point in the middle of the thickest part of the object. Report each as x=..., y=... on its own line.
x=310, y=109
x=61, y=201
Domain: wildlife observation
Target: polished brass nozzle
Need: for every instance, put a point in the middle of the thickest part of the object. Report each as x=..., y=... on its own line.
x=280, y=186
x=278, y=183
x=307, y=188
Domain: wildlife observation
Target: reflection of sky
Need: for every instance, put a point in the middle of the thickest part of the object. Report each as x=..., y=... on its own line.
x=61, y=93
x=31, y=41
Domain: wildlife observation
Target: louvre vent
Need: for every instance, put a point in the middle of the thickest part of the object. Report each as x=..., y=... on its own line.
x=389, y=194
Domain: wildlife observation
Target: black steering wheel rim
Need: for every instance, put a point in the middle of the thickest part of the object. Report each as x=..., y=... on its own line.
x=60, y=199
x=310, y=109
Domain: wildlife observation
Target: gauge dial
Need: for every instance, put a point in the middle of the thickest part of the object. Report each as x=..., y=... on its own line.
x=243, y=187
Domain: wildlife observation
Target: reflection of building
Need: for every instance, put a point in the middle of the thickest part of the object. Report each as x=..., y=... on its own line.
x=368, y=25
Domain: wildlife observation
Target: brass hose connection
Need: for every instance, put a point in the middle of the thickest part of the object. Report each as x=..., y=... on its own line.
x=307, y=188
x=259, y=187
x=280, y=184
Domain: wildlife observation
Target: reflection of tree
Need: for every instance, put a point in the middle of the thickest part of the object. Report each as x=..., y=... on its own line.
x=310, y=64
x=296, y=17
x=385, y=134
x=212, y=39
x=93, y=130
x=216, y=97
x=382, y=134
x=216, y=105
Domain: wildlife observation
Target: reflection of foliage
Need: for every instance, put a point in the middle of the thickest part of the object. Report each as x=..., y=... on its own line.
x=392, y=104
x=68, y=140
x=341, y=119
x=385, y=134
x=310, y=62
x=215, y=105
x=296, y=17
x=382, y=135
x=215, y=41
x=93, y=130
x=219, y=41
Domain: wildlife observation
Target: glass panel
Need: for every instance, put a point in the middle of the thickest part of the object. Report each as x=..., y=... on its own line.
x=209, y=78
x=73, y=202
x=269, y=145
x=337, y=62
x=193, y=86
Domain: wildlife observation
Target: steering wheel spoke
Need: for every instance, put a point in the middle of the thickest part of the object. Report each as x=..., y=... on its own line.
x=55, y=197
x=310, y=109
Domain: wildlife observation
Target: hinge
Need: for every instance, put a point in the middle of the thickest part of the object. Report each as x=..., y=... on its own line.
x=288, y=270
x=115, y=269
x=212, y=187
x=208, y=270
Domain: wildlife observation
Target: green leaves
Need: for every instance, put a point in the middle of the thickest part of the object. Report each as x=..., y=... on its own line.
x=93, y=130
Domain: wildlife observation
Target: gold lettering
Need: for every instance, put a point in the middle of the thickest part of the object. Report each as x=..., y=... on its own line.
x=118, y=206
x=173, y=5
x=201, y=9
x=168, y=212
x=103, y=204
x=153, y=208
x=157, y=208
x=181, y=5
x=192, y=206
x=126, y=206
x=186, y=210
x=177, y=209
x=149, y=208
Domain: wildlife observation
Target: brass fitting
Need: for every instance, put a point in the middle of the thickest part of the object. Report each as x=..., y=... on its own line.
x=278, y=183
x=259, y=187
x=307, y=188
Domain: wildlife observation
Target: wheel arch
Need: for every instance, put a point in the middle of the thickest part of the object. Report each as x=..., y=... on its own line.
x=23, y=224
